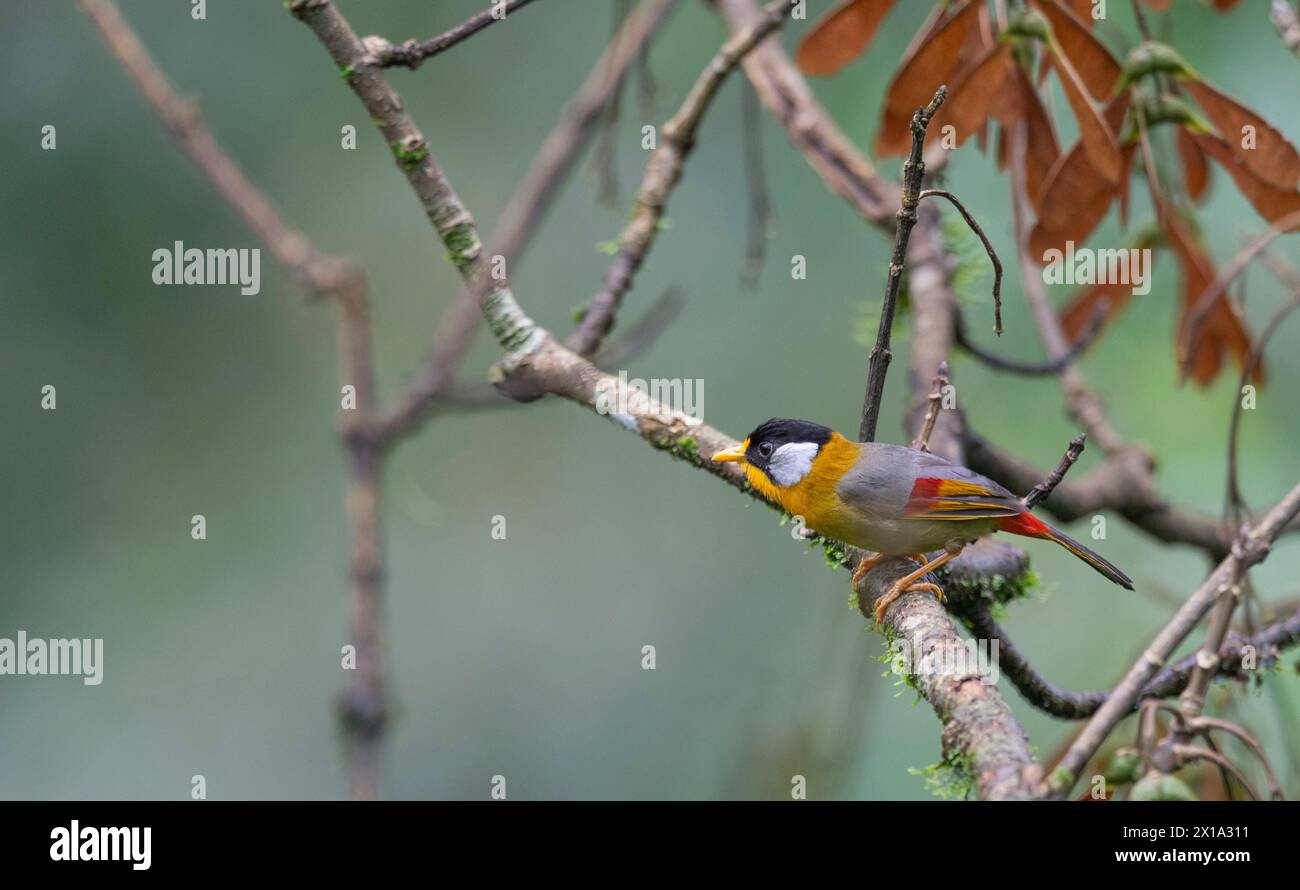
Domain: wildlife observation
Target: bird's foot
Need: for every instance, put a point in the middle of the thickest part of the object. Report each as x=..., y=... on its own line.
x=866, y=565
x=898, y=590
x=870, y=562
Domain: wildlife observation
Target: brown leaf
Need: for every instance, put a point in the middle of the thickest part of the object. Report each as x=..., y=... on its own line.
x=1221, y=332
x=1273, y=158
x=1077, y=316
x=933, y=61
x=840, y=36
x=1082, y=10
x=1098, y=138
x=1042, y=148
x=1075, y=197
x=1074, y=200
x=1196, y=170
x=1097, y=68
x=1269, y=201
x=973, y=95
x=894, y=138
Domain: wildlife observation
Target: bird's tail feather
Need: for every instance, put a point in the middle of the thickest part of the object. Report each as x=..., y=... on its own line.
x=1093, y=559
x=1031, y=526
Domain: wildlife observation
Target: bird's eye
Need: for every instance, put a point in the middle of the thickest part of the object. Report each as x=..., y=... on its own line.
x=766, y=449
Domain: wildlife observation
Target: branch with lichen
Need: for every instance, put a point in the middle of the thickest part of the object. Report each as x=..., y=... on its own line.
x=435, y=385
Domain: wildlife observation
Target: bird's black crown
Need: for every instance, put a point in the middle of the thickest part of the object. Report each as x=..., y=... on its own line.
x=772, y=434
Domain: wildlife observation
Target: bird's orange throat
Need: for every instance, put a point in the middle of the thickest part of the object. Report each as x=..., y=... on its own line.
x=759, y=482
x=812, y=497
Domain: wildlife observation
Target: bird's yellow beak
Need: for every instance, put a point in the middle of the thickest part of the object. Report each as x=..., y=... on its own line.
x=729, y=455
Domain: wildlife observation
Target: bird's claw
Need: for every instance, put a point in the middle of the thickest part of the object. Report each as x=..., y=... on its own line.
x=864, y=565
x=870, y=562
x=898, y=590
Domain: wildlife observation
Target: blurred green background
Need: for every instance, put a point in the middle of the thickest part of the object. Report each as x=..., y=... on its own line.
x=518, y=657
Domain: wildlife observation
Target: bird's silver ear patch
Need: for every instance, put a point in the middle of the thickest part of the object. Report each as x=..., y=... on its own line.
x=791, y=462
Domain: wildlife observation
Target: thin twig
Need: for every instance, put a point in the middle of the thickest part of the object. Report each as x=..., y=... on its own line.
x=1236, y=502
x=647, y=86
x=1172, y=680
x=1140, y=14
x=934, y=402
x=1117, y=483
x=845, y=170
x=913, y=174
x=988, y=248
x=1049, y=368
x=1201, y=308
x=1084, y=405
x=758, y=227
x=603, y=157
x=315, y=272
x=1281, y=268
x=1158, y=199
x=1204, y=725
x=1252, y=546
x=1040, y=492
x=615, y=354
x=523, y=213
x=411, y=53
x=1190, y=754
x=363, y=705
x=664, y=169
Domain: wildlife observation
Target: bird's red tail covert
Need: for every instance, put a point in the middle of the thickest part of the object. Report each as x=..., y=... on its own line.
x=1032, y=527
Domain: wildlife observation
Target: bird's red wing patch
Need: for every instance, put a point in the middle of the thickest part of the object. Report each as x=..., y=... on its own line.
x=937, y=498
x=938, y=488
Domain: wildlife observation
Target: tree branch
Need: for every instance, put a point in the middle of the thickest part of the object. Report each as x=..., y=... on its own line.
x=988, y=248
x=1169, y=681
x=523, y=213
x=1117, y=483
x=661, y=176
x=1049, y=368
x=441, y=204
x=412, y=52
x=1251, y=547
x=363, y=706
x=1196, y=315
x=913, y=174
x=788, y=98
x=1043, y=489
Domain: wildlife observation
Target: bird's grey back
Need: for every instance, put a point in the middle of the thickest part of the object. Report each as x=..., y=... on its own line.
x=881, y=480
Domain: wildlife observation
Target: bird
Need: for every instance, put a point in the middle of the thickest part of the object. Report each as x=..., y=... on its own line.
x=891, y=500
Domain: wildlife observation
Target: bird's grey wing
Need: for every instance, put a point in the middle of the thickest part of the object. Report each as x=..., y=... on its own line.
x=879, y=482
x=894, y=481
